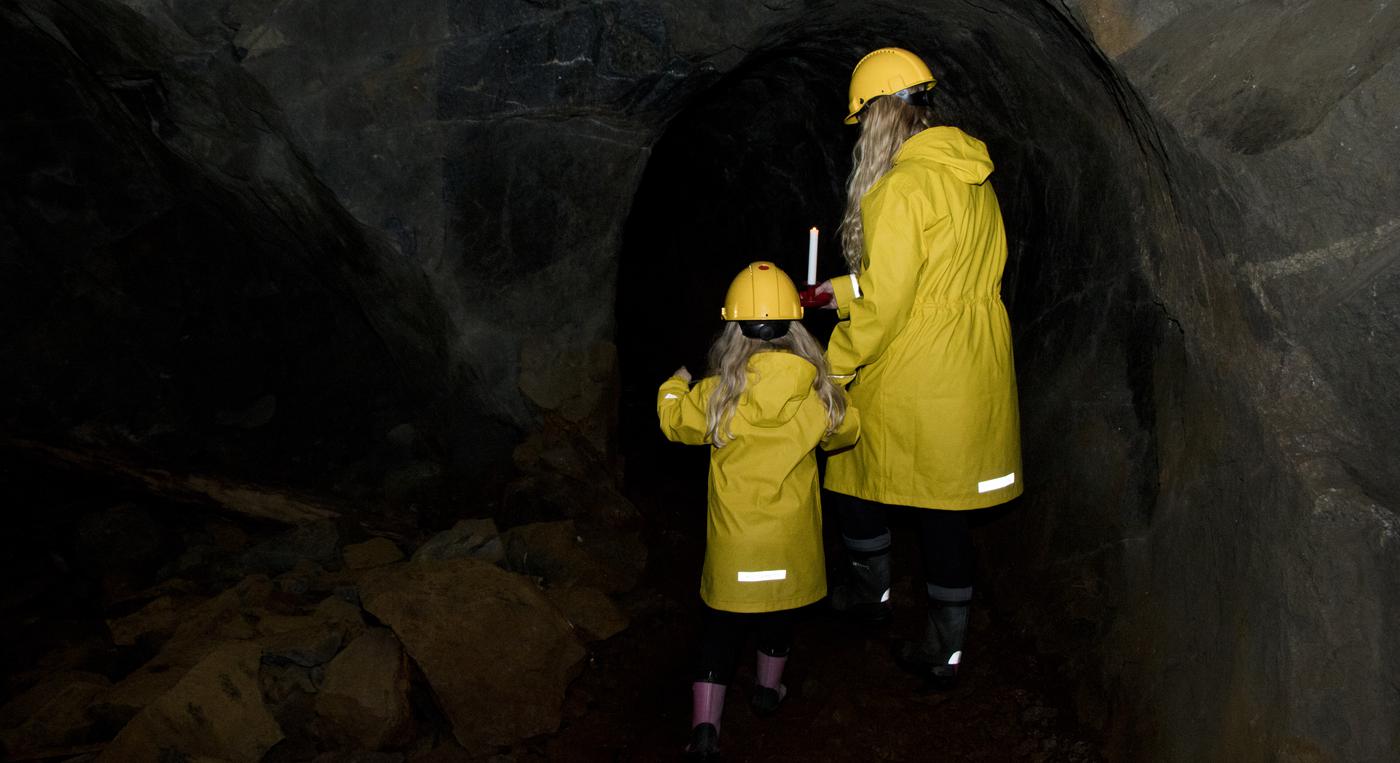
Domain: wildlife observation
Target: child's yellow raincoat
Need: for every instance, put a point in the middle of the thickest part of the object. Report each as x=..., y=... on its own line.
x=928, y=343
x=763, y=547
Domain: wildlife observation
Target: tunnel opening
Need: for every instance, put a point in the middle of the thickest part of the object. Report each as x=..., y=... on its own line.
x=759, y=156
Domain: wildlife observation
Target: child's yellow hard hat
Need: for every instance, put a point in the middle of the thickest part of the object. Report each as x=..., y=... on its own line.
x=761, y=291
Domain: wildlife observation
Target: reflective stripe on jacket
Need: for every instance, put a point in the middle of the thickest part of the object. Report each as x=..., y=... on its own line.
x=763, y=547
x=926, y=347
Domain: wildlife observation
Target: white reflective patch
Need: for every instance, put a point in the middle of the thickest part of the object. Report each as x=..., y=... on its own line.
x=855, y=286
x=758, y=576
x=987, y=486
x=956, y=658
x=885, y=596
x=670, y=396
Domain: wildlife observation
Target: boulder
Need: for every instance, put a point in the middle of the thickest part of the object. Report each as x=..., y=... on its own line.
x=215, y=711
x=364, y=699
x=144, y=685
x=247, y=612
x=154, y=623
x=342, y=613
x=233, y=615
x=590, y=610
x=562, y=554
x=309, y=646
x=468, y=539
x=375, y=552
x=52, y=715
x=316, y=541
x=497, y=655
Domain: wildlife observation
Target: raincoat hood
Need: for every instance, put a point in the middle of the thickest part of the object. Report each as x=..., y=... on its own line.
x=964, y=156
x=787, y=381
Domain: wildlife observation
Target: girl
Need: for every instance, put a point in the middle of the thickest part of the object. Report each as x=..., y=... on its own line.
x=767, y=403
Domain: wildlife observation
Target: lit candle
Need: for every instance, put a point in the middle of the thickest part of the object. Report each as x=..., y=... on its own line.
x=812, y=257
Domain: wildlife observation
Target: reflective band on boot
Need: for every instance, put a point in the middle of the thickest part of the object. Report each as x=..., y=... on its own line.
x=938, y=654
x=866, y=595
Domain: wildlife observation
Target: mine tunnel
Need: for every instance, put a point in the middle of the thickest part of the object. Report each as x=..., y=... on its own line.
x=332, y=336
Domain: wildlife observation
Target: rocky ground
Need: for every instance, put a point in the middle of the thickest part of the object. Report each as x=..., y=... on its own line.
x=141, y=629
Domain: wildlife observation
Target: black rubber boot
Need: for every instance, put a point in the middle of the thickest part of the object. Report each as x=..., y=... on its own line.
x=865, y=597
x=937, y=655
x=704, y=743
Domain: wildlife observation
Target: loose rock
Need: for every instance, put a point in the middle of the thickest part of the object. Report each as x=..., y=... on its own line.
x=563, y=555
x=468, y=539
x=375, y=552
x=589, y=609
x=364, y=699
x=215, y=711
x=496, y=653
x=52, y=715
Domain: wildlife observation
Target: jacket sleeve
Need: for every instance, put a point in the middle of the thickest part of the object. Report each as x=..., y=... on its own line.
x=894, y=255
x=844, y=289
x=681, y=409
x=845, y=435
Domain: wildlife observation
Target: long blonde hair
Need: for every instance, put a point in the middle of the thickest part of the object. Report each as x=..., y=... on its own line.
x=884, y=126
x=729, y=360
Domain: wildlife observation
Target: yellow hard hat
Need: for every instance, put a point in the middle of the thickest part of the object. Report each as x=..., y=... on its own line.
x=887, y=71
x=761, y=291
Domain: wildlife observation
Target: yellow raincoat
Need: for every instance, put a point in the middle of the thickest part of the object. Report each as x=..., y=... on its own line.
x=927, y=347
x=763, y=548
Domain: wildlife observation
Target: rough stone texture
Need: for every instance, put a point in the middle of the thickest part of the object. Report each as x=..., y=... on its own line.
x=153, y=623
x=52, y=715
x=216, y=712
x=590, y=610
x=309, y=646
x=563, y=554
x=375, y=552
x=496, y=653
x=207, y=263
x=365, y=695
x=425, y=215
x=468, y=539
x=316, y=542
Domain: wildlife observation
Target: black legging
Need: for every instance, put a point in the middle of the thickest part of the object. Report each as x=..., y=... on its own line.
x=947, y=545
x=722, y=635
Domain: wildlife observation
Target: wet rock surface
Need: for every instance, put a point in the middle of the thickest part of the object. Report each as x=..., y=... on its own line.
x=410, y=261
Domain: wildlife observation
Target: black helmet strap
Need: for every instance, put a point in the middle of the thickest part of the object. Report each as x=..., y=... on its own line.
x=915, y=96
x=765, y=330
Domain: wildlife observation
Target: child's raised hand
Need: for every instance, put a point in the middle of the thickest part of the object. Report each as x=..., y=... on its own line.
x=683, y=374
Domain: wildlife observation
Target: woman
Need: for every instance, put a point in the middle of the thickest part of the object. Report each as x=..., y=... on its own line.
x=926, y=350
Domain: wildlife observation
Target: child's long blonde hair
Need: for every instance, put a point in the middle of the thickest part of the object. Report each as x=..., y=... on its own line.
x=884, y=126
x=729, y=360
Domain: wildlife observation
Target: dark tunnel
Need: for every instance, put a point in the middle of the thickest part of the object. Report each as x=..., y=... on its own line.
x=330, y=338
x=758, y=157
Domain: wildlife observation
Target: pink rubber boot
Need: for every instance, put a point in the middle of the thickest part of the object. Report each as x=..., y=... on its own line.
x=769, y=691
x=707, y=705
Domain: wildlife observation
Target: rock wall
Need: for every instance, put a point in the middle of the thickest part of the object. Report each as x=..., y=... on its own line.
x=416, y=209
